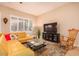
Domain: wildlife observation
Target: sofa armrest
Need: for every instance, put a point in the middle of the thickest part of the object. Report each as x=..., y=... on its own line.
x=15, y=48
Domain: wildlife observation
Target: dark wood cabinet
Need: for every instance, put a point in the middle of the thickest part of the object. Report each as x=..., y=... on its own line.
x=50, y=32
x=51, y=37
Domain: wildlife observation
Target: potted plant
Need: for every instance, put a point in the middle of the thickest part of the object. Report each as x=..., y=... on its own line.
x=38, y=33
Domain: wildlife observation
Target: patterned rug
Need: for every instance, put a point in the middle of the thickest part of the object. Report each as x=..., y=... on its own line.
x=51, y=49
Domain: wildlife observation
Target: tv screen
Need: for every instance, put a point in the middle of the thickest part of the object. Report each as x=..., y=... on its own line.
x=50, y=27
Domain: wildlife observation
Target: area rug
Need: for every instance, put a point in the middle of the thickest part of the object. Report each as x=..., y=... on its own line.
x=51, y=49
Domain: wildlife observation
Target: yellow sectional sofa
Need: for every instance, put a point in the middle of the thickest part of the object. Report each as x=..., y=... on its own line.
x=13, y=48
x=22, y=36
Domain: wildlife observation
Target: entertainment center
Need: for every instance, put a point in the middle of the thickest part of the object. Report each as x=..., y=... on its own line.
x=50, y=32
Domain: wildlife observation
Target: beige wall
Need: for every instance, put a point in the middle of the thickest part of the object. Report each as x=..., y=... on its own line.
x=67, y=17
x=7, y=12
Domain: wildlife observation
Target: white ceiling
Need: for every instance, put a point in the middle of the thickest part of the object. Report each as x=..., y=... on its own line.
x=34, y=8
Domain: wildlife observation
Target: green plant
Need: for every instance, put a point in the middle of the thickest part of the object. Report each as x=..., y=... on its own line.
x=39, y=33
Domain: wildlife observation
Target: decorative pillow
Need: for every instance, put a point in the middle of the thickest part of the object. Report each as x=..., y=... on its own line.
x=7, y=36
x=13, y=36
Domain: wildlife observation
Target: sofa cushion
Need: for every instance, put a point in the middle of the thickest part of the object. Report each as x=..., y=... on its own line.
x=0, y=34
x=17, y=49
x=22, y=36
x=3, y=51
x=3, y=43
x=19, y=34
x=2, y=39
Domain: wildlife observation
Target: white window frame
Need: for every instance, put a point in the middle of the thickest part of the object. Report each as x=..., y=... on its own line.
x=17, y=20
x=11, y=21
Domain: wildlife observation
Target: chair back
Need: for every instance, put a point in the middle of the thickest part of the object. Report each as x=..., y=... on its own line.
x=71, y=38
x=73, y=33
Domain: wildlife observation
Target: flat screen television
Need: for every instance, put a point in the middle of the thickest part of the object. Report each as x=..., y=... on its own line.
x=50, y=27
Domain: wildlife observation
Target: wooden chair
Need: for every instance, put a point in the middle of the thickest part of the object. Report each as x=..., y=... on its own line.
x=68, y=42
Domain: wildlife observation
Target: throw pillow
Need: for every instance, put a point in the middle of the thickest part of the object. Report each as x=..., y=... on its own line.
x=13, y=36
x=7, y=36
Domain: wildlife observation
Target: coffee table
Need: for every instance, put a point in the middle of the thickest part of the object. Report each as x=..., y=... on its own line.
x=35, y=46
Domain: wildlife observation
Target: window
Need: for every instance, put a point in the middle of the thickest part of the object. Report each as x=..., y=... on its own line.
x=13, y=24
x=26, y=25
x=30, y=25
x=20, y=24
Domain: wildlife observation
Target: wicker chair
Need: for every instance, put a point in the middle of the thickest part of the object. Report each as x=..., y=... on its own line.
x=68, y=42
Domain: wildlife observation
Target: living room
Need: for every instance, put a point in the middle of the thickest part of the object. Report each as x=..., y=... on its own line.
x=28, y=18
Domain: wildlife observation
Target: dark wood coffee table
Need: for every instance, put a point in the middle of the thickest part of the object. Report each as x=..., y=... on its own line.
x=35, y=47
